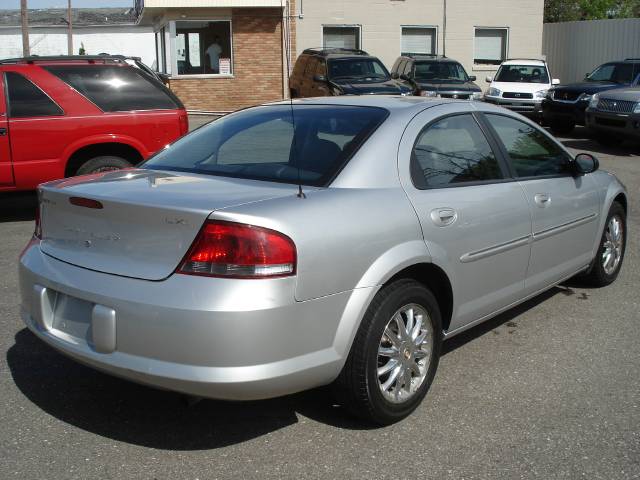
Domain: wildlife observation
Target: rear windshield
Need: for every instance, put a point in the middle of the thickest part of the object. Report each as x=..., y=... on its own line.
x=522, y=74
x=309, y=144
x=116, y=88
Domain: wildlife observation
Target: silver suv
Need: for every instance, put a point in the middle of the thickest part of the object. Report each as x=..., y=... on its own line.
x=614, y=115
x=329, y=241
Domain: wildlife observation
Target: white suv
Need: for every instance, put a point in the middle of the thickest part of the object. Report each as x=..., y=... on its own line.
x=521, y=85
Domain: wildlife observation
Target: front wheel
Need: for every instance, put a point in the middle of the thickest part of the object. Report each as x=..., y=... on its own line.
x=562, y=126
x=394, y=356
x=606, y=266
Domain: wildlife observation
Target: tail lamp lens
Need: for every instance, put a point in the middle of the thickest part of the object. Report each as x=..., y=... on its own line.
x=227, y=249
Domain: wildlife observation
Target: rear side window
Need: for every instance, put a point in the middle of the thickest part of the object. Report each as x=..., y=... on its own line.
x=532, y=153
x=115, y=88
x=27, y=100
x=453, y=151
x=279, y=143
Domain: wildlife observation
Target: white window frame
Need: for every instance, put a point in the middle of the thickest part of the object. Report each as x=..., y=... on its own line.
x=341, y=25
x=488, y=66
x=423, y=27
x=174, y=56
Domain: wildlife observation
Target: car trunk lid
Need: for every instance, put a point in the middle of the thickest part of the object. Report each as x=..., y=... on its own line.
x=137, y=223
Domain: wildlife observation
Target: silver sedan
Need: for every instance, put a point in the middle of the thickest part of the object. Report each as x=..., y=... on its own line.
x=328, y=241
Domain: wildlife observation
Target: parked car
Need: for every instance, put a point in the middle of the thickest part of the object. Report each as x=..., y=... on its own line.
x=565, y=105
x=320, y=72
x=520, y=84
x=435, y=76
x=65, y=116
x=614, y=115
x=295, y=245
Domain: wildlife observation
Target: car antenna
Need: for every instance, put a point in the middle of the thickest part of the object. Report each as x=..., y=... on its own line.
x=300, y=193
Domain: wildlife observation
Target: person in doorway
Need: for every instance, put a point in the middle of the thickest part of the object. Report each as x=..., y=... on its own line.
x=213, y=52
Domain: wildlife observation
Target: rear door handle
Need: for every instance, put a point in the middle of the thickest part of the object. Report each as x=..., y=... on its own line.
x=443, y=216
x=542, y=199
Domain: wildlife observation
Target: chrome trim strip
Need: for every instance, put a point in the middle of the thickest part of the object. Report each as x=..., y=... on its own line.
x=495, y=249
x=549, y=232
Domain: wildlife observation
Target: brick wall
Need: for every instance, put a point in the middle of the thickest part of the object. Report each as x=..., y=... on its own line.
x=257, y=66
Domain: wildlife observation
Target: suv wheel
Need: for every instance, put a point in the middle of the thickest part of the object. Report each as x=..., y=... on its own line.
x=394, y=356
x=608, y=140
x=102, y=164
x=562, y=126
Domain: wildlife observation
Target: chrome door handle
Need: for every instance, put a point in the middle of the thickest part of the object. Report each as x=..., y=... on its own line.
x=443, y=216
x=542, y=199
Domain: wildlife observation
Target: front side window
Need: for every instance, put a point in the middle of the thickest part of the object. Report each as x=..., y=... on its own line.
x=418, y=40
x=270, y=143
x=522, y=74
x=341, y=37
x=27, y=100
x=428, y=71
x=532, y=152
x=615, y=72
x=341, y=69
x=453, y=151
x=203, y=47
x=490, y=46
x=116, y=88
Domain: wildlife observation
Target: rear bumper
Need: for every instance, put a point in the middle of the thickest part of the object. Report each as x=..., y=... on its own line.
x=234, y=340
x=622, y=125
x=564, y=111
x=528, y=107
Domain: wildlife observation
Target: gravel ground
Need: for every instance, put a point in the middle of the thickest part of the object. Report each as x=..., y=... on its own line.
x=550, y=390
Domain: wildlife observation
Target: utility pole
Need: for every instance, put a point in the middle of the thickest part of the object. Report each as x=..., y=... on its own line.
x=24, y=17
x=70, y=30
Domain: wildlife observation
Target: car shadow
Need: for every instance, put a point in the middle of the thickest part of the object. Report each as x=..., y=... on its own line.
x=141, y=415
x=18, y=206
x=582, y=141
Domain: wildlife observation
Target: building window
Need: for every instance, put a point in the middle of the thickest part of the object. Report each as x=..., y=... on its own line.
x=341, y=36
x=418, y=40
x=490, y=46
x=203, y=47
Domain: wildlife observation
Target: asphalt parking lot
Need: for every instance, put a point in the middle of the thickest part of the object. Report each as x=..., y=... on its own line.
x=550, y=390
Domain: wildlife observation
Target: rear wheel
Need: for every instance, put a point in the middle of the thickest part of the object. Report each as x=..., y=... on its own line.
x=394, y=356
x=102, y=164
x=607, y=140
x=606, y=265
x=562, y=126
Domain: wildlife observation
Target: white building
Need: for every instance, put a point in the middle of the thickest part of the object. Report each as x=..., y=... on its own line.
x=103, y=30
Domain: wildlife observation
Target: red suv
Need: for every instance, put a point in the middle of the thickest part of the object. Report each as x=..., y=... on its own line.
x=65, y=116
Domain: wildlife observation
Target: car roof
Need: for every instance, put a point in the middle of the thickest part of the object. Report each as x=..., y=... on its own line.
x=336, y=52
x=525, y=61
x=429, y=58
x=74, y=59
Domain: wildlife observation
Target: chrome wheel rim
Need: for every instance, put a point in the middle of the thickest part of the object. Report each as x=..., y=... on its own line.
x=613, y=245
x=404, y=353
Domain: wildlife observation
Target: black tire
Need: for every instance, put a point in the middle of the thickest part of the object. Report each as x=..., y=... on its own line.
x=357, y=387
x=562, y=127
x=102, y=164
x=596, y=276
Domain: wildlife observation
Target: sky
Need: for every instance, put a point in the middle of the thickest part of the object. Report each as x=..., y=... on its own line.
x=9, y=4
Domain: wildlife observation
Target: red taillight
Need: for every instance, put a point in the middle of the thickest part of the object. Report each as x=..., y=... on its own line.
x=226, y=249
x=184, y=123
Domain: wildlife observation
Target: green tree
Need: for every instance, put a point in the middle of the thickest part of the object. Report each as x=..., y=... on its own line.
x=572, y=10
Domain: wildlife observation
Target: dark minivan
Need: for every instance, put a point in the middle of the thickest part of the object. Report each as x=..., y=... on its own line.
x=565, y=105
x=435, y=76
x=321, y=72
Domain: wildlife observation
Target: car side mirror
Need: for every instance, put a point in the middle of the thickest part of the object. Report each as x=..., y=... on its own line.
x=472, y=78
x=394, y=75
x=489, y=79
x=319, y=78
x=585, y=163
x=555, y=81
